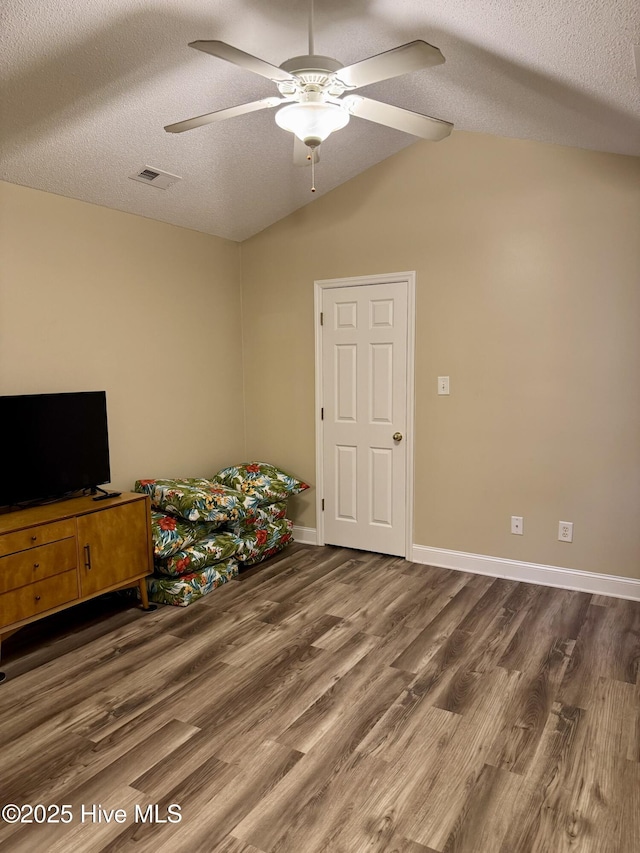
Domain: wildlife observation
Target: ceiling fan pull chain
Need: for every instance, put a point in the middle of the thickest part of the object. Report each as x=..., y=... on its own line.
x=313, y=171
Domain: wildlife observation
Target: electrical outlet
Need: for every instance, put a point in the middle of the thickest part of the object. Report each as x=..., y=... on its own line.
x=565, y=531
x=517, y=524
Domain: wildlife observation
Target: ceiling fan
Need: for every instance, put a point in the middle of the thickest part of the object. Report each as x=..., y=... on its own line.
x=315, y=93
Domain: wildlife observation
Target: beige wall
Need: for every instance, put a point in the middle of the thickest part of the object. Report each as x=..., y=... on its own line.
x=528, y=296
x=94, y=299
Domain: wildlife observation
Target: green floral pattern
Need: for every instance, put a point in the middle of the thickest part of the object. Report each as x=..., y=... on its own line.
x=170, y=533
x=270, y=552
x=201, y=528
x=265, y=516
x=199, y=499
x=263, y=481
x=269, y=512
x=189, y=588
x=258, y=543
x=207, y=551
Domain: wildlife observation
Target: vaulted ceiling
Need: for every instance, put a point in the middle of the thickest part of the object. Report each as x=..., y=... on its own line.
x=88, y=85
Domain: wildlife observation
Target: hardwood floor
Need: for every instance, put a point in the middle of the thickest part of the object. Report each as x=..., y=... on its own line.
x=331, y=700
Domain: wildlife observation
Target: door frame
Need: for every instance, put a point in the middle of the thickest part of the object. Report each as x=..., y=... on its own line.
x=320, y=286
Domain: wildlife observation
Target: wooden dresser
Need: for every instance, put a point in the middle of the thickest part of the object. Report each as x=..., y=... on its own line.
x=59, y=554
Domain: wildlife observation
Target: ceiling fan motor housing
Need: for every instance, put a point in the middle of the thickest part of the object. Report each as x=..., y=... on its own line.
x=325, y=64
x=316, y=71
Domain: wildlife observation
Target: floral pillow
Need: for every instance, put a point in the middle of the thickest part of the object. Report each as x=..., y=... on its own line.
x=217, y=546
x=260, y=543
x=264, y=516
x=270, y=512
x=198, y=499
x=261, y=480
x=171, y=533
x=188, y=588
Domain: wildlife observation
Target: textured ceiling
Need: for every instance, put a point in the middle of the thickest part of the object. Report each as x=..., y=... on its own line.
x=87, y=86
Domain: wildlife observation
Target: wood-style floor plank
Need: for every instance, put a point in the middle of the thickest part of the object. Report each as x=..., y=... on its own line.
x=487, y=814
x=289, y=809
x=461, y=689
x=529, y=709
x=426, y=644
x=332, y=701
x=433, y=812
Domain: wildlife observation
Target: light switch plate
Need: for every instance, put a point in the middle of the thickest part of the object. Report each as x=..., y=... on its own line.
x=443, y=384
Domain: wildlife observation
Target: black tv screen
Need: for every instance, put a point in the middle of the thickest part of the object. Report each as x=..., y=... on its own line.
x=52, y=445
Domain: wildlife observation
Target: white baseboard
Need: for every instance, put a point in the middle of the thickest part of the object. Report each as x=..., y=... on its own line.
x=305, y=535
x=598, y=584
x=498, y=567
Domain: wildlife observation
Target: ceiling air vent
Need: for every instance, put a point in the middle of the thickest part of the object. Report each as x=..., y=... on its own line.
x=155, y=177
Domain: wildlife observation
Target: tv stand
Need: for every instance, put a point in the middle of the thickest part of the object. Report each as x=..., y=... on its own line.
x=56, y=555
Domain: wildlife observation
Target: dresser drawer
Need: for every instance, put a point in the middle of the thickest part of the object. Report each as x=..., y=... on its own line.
x=32, y=537
x=38, y=563
x=37, y=598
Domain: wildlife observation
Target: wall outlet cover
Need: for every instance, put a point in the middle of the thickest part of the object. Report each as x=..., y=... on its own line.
x=565, y=531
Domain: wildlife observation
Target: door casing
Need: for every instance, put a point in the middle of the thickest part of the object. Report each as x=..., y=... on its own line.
x=386, y=278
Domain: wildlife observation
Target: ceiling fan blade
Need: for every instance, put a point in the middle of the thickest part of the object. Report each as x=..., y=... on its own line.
x=301, y=153
x=219, y=115
x=245, y=60
x=397, y=117
x=391, y=63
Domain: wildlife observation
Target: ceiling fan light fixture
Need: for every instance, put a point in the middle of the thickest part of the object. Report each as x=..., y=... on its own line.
x=312, y=121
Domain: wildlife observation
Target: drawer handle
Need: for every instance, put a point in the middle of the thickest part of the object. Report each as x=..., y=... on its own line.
x=87, y=557
x=34, y=538
x=37, y=598
x=36, y=565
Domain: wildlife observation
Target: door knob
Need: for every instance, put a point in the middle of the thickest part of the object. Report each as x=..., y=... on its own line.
x=397, y=436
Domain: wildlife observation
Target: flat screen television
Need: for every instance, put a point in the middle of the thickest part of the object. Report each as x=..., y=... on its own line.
x=53, y=445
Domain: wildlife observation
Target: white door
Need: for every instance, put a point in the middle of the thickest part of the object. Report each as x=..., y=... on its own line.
x=364, y=398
